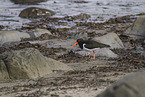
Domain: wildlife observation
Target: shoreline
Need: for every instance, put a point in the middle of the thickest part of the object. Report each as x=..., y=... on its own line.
x=94, y=79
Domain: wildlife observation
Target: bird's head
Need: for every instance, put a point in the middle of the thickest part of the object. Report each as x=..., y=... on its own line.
x=78, y=41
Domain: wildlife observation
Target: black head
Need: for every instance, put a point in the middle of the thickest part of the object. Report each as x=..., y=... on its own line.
x=80, y=40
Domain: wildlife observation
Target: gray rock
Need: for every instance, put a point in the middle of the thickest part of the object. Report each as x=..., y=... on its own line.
x=12, y=36
x=10, y=44
x=143, y=42
x=80, y=35
x=78, y=1
x=81, y=16
x=34, y=12
x=3, y=71
x=111, y=39
x=142, y=53
x=39, y=32
x=98, y=32
x=104, y=52
x=29, y=63
x=61, y=43
x=130, y=86
x=137, y=31
x=27, y=1
x=139, y=48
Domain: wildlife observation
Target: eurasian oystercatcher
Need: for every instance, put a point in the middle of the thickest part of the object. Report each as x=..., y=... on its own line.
x=90, y=45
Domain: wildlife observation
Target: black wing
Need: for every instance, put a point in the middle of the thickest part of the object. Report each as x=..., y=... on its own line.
x=91, y=44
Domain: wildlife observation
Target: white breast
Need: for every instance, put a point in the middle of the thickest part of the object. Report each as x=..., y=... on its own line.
x=89, y=49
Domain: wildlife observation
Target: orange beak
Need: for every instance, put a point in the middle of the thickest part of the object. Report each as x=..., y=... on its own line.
x=75, y=44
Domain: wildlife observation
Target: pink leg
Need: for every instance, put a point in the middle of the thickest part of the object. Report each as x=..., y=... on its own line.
x=94, y=55
x=90, y=55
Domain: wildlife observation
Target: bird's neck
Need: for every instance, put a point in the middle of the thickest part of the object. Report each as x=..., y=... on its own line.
x=81, y=45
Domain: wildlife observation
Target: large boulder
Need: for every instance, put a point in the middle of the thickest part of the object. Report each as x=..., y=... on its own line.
x=34, y=12
x=3, y=71
x=111, y=39
x=39, y=32
x=11, y=36
x=137, y=31
x=27, y=1
x=130, y=86
x=29, y=63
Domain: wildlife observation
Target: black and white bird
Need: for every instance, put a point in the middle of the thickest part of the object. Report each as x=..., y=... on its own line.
x=90, y=45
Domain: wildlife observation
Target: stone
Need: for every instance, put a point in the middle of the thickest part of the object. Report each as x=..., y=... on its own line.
x=3, y=71
x=81, y=16
x=29, y=63
x=27, y=1
x=143, y=42
x=78, y=1
x=82, y=35
x=137, y=31
x=12, y=36
x=34, y=12
x=39, y=32
x=130, y=86
x=104, y=52
x=139, y=48
x=61, y=43
x=111, y=39
x=142, y=53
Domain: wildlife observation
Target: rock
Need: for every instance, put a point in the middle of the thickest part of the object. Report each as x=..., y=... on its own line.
x=39, y=32
x=11, y=36
x=61, y=43
x=3, y=71
x=29, y=63
x=111, y=39
x=100, y=32
x=130, y=86
x=104, y=52
x=137, y=31
x=139, y=48
x=2, y=27
x=34, y=12
x=10, y=44
x=80, y=35
x=81, y=16
x=122, y=19
x=27, y=1
x=78, y=1
x=143, y=42
x=142, y=53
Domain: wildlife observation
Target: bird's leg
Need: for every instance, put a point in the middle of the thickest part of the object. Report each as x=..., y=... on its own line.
x=90, y=55
x=94, y=55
